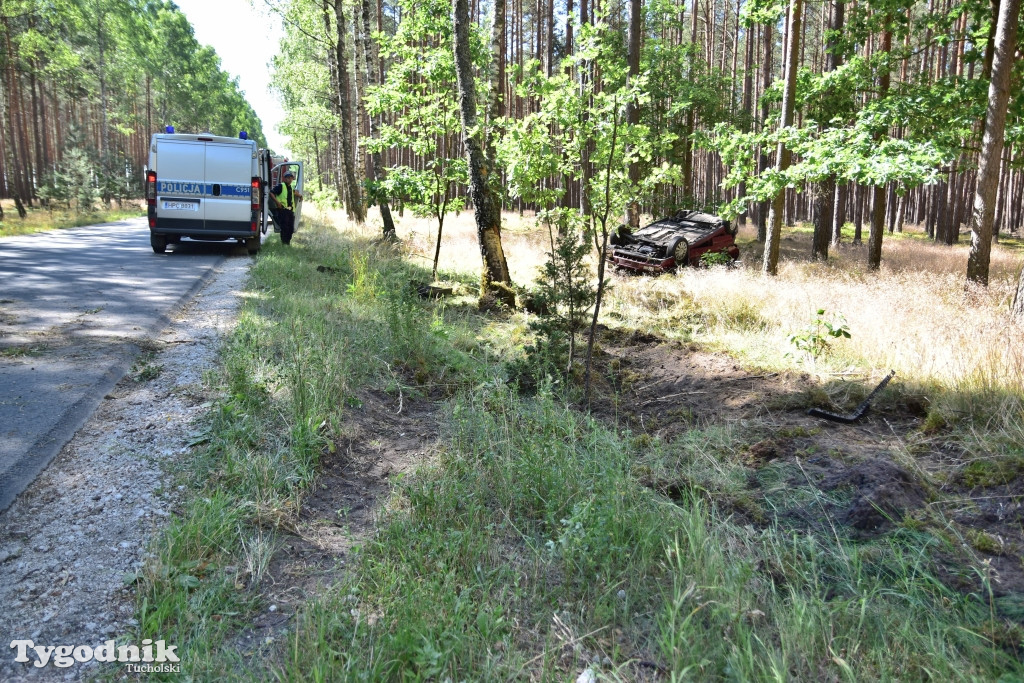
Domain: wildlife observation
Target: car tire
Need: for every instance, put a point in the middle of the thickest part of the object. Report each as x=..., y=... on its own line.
x=620, y=235
x=253, y=245
x=158, y=242
x=680, y=250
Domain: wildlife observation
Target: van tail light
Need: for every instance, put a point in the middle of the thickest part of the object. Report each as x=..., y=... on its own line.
x=254, y=201
x=151, y=197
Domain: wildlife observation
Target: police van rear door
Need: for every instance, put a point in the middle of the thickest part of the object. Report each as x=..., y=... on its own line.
x=228, y=186
x=179, y=201
x=277, y=174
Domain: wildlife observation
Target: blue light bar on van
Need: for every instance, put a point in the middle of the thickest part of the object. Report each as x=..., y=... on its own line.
x=243, y=135
x=169, y=129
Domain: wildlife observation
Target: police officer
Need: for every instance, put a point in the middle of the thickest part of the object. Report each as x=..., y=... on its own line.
x=283, y=197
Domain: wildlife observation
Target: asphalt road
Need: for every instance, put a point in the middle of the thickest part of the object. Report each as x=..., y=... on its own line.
x=76, y=308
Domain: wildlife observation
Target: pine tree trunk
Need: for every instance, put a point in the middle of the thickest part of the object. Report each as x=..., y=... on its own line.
x=6, y=144
x=334, y=142
x=824, y=213
x=1017, y=309
x=1017, y=202
x=3, y=145
x=632, y=107
x=784, y=156
x=37, y=116
x=735, y=57
x=879, y=204
x=549, y=51
x=101, y=40
x=1004, y=184
x=824, y=227
x=950, y=228
x=748, y=91
x=364, y=168
x=353, y=197
x=586, y=76
x=936, y=217
x=370, y=59
x=839, y=217
x=766, y=76
x=569, y=47
x=11, y=116
x=496, y=280
x=991, y=155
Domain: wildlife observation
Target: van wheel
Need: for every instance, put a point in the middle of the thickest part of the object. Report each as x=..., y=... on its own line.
x=253, y=245
x=158, y=242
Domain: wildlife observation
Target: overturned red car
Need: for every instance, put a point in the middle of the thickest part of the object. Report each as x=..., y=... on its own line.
x=669, y=243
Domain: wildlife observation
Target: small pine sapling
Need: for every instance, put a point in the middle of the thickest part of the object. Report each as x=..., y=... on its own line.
x=815, y=340
x=564, y=294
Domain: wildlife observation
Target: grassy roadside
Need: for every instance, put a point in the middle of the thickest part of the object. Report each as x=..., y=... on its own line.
x=42, y=220
x=533, y=552
x=305, y=343
x=533, y=547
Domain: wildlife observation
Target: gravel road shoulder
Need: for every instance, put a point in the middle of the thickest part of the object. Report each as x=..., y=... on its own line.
x=68, y=541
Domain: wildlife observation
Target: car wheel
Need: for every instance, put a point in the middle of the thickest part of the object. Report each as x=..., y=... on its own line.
x=680, y=251
x=620, y=235
x=253, y=245
x=158, y=242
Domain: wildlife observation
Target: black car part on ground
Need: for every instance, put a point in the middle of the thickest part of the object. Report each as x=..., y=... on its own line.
x=860, y=411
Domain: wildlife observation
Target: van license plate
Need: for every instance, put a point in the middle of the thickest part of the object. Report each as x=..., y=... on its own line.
x=181, y=206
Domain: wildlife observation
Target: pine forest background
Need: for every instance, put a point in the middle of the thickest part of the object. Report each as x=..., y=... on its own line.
x=889, y=103
x=84, y=85
x=889, y=95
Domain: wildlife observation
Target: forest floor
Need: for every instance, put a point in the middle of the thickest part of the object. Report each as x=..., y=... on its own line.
x=814, y=475
x=41, y=219
x=376, y=501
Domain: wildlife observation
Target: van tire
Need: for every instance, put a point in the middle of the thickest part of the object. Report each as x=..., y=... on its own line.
x=253, y=245
x=158, y=242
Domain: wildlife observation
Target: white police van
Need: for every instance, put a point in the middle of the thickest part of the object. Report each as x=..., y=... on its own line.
x=209, y=187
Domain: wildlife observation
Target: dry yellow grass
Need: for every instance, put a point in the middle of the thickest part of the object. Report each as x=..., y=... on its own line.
x=525, y=245
x=914, y=316
x=41, y=220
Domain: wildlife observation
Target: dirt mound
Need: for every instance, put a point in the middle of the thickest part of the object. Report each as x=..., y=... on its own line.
x=812, y=474
x=859, y=498
x=665, y=388
x=883, y=494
